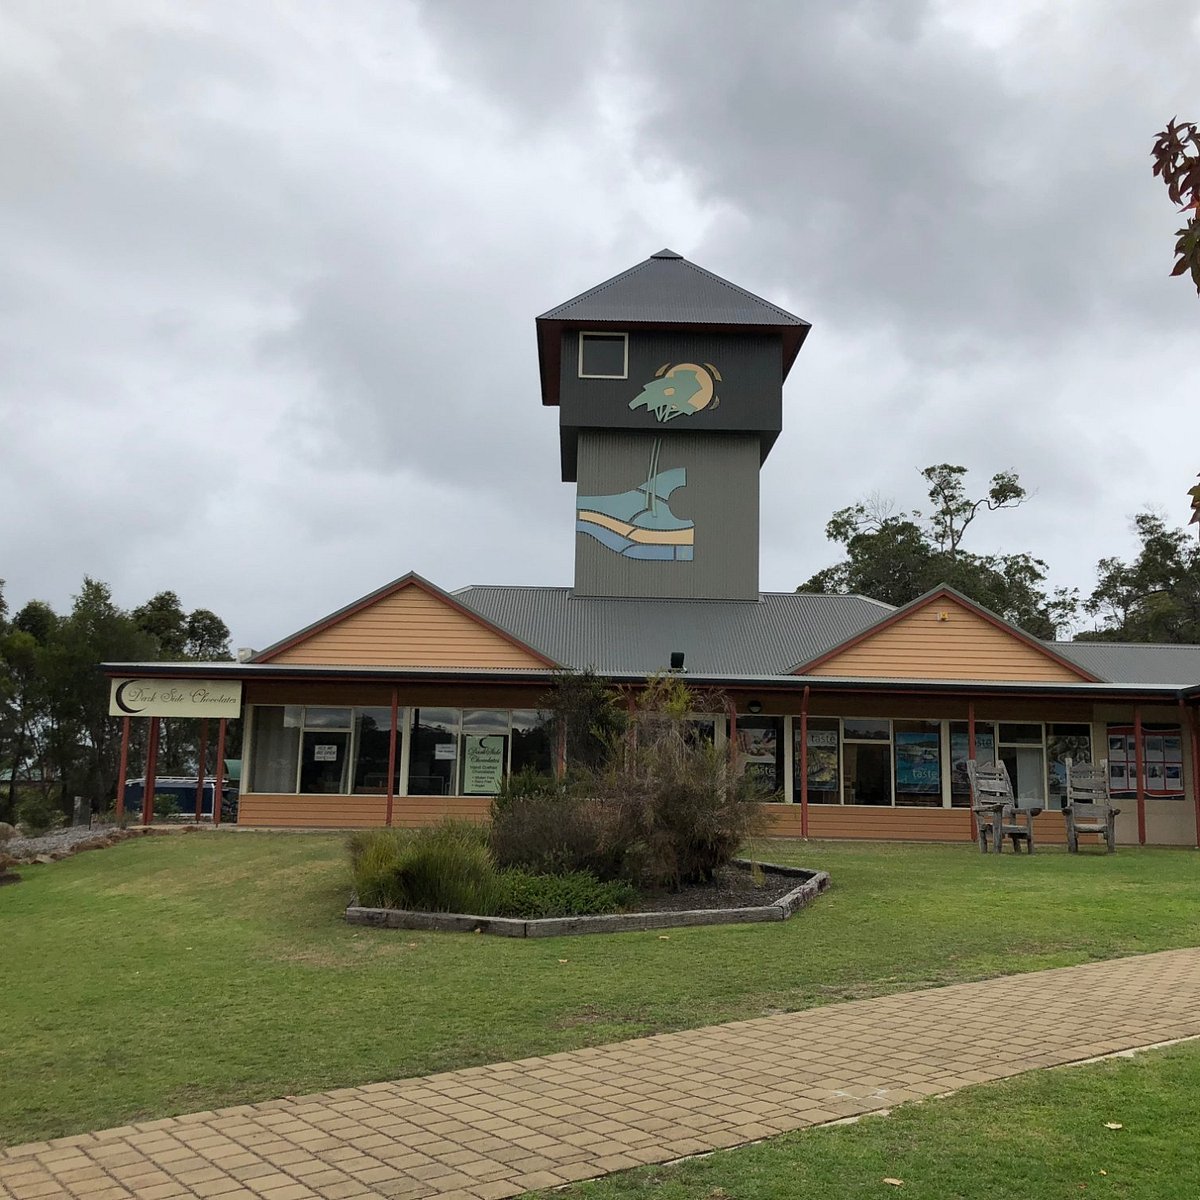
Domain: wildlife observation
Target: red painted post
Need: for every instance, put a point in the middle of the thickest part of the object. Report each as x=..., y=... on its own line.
x=1139, y=766
x=1195, y=733
x=804, y=762
x=219, y=781
x=391, y=788
x=151, y=773
x=124, y=769
x=203, y=757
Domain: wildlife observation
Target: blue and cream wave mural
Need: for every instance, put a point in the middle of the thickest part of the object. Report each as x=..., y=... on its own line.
x=639, y=523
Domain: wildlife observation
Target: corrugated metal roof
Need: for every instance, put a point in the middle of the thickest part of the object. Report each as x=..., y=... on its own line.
x=1132, y=662
x=764, y=637
x=667, y=288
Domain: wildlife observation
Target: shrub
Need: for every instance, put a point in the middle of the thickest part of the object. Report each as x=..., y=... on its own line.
x=574, y=894
x=682, y=809
x=165, y=806
x=557, y=831
x=446, y=868
x=38, y=814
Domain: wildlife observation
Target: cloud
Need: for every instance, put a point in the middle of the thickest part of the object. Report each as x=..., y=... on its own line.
x=269, y=278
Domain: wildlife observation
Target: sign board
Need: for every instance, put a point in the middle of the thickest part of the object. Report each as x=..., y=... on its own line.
x=175, y=698
x=325, y=753
x=443, y=751
x=483, y=764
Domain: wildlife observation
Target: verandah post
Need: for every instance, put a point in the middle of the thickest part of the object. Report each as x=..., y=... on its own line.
x=124, y=769
x=151, y=777
x=219, y=780
x=200, y=770
x=1194, y=730
x=1139, y=766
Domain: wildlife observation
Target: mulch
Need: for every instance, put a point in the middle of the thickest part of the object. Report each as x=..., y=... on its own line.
x=733, y=888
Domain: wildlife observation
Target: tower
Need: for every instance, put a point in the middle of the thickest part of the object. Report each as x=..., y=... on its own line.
x=669, y=386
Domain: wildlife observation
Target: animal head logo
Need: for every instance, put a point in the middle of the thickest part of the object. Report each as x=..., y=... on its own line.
x=679, y=391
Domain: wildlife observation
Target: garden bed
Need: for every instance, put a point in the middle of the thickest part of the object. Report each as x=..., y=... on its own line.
x=737, y=898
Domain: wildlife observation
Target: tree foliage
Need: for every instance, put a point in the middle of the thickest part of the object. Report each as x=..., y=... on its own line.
x=896, y=557
x=1176, y=157
x=56, y=737
x=1153, y=598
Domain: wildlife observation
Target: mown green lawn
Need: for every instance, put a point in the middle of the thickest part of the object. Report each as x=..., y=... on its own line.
x=184, y=972
x=1040, y=1136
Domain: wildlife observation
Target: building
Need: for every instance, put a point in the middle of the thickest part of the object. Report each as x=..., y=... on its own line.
x=412, y=703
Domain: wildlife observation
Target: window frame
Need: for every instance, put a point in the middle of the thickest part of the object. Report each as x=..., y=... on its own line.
x=608, y=335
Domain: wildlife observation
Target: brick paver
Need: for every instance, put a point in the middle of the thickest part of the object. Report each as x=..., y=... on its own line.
x=496, y=1131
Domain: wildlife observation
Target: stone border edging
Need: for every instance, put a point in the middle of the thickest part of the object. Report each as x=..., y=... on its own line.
x=814, y=883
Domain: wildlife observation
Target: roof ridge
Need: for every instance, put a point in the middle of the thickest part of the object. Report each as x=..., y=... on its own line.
x=1136, y=645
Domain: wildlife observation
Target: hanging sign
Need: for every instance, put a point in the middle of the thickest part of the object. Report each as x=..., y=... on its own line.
x=483, y=764
x=175, y=698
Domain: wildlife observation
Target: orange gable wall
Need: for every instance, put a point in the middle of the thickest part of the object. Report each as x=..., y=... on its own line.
x=964, y=646
x=409, y=628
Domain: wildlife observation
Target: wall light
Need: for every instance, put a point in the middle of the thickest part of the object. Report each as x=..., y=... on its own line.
x=755, y=706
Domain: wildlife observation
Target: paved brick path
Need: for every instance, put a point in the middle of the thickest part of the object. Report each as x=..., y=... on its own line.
x=495, y=1131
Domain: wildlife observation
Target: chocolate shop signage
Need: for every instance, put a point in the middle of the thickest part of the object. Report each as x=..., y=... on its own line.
x=175, y=698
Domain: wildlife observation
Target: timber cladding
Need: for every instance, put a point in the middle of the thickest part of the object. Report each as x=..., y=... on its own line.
x=357, y=811
x=945, y=639
x=411, y=627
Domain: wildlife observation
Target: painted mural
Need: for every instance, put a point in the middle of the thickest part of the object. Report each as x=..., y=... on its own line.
x=679, y=391
x=639, y=523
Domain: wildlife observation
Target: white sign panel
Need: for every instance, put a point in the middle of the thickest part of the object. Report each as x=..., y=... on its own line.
x=445, y=750
x=175, y=698
x=325, y=754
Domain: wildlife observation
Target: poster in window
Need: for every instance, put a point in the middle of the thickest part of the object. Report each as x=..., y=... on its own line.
x=918, y=762
x=822, y=760
x=325, y=753
x=1116, y=746
x=483, y=763
x=758, y=753
x=1118, y=779
x=1154, y=748
x=1173, y=774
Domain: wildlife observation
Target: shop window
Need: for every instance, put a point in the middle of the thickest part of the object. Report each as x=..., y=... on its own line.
x=325, y=751
x=760, y=752
x=275, y=747
x=531, y=747
x=433, y=758
x=824, y=771
x=1023, y=752
x=373, y=738
x=1063, y=742
x=484, y=751
x=603, y=356
x=918, y=763
x=1162, y=760
x=960, y=752
x=867, y=762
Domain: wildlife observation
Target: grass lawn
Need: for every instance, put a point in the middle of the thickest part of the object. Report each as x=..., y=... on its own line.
x=1037, y=1137
x=178, y=973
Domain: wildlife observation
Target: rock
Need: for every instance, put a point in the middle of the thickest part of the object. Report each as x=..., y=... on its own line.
x=7, y=832
x=44, y=859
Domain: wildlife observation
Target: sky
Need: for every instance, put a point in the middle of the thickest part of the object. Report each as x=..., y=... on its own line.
x=269, y=274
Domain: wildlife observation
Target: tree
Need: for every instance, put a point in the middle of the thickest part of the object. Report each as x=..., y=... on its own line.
x=1176, y=157
x=1154, y=598
x=896, y=557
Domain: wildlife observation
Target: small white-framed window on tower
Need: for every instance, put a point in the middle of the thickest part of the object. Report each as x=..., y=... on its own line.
x=603, y=355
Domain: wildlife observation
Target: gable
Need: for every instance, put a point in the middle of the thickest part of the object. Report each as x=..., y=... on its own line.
x=943, y=638
x=409, y=626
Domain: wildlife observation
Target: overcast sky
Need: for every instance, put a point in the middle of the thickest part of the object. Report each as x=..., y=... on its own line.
x=269, y=273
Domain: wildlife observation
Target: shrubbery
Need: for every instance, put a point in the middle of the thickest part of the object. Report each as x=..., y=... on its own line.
x=38, y=814
x=662, y=809
x=571, y=894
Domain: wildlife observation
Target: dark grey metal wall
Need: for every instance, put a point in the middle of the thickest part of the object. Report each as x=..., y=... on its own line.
x=720, y=498
x=750, y=388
